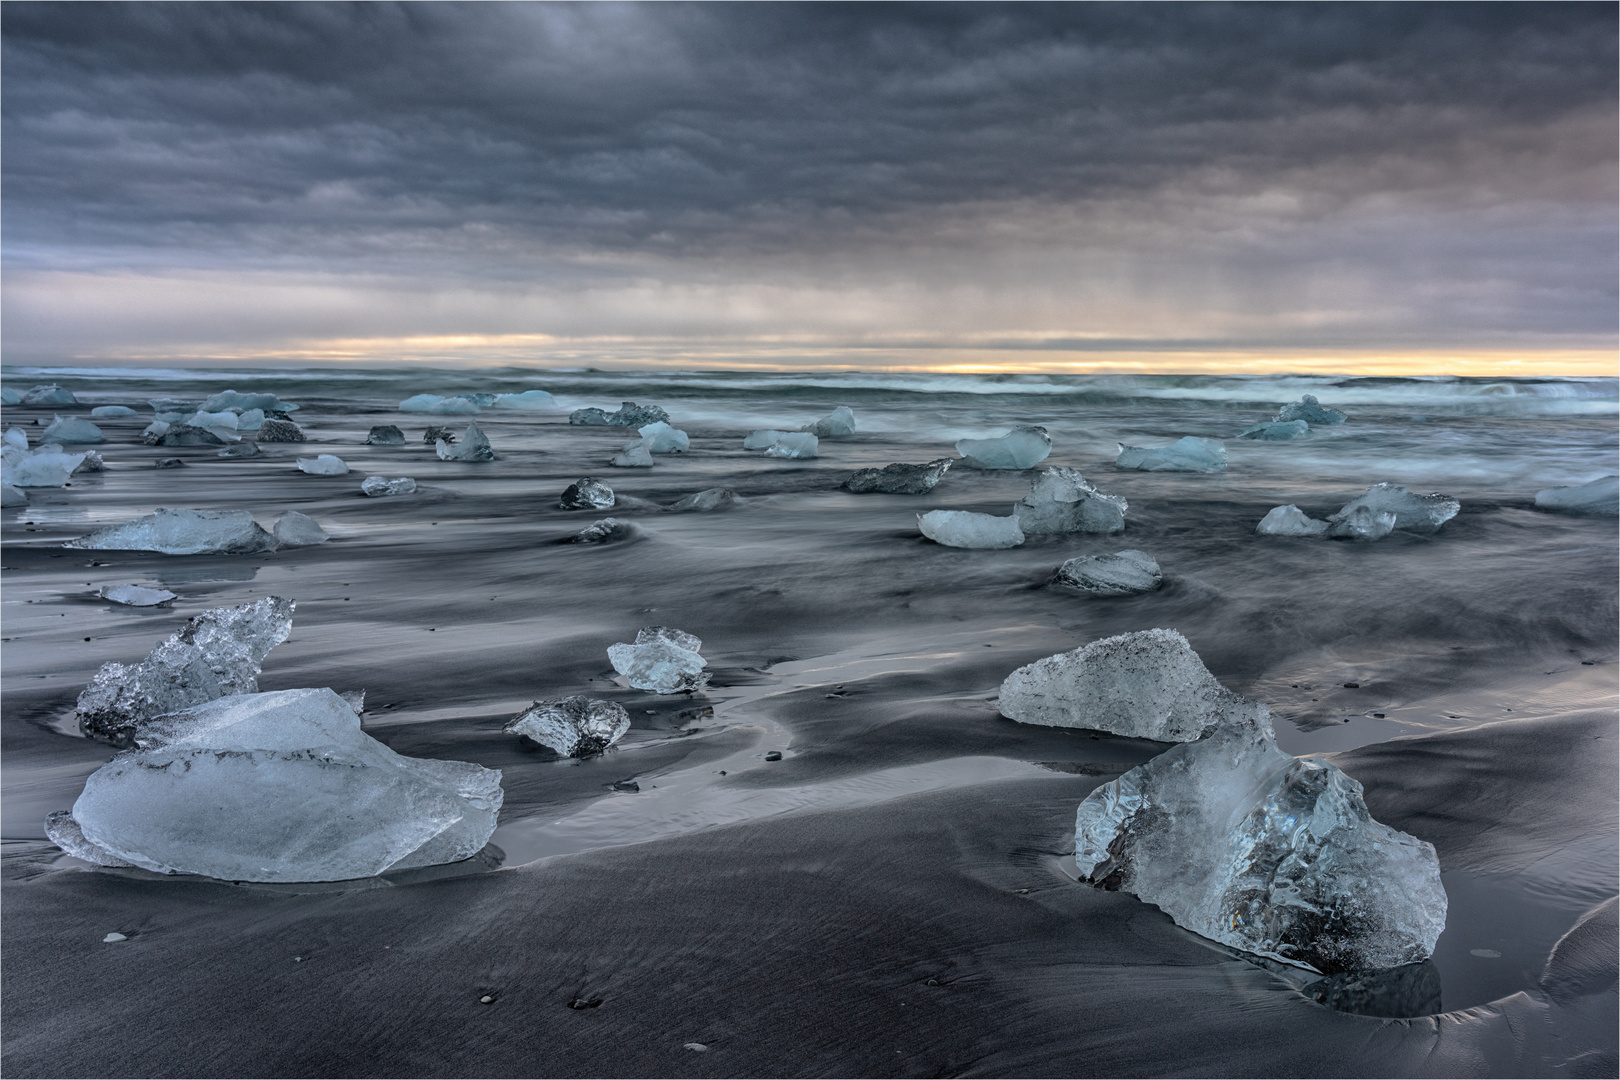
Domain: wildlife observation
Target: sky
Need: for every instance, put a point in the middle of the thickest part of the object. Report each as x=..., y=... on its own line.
x=1393, y=189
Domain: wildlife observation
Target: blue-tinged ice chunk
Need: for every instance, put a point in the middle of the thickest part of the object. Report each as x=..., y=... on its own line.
x=1290, y=520
x=71, y=429
x=50, y=394
x=1189, y=454
x=11, y=496
x=213, y=420
x=250, y=420
x=587, y=493
x=433, y=403
x=380, y=486
x=663, y=659
x=171, y=410
x=1276, y=431
x=111, y=412
x=1146, y=685
x=965, y=529
x=474, y=446
x=1600, y=497
x=1023, y=447
x=16, y=437
x=41, y=469
x=529, y=399
x=635, y=455
x=1264, y=852
x=706, y=501
x=1417, y=513
x=385, y=435
x=1308, y=409
x=795, y=445
x=660, y=438
x=574, y=726
x=323, y=465
x=761, y=438
x=239, y=402
x=1124, y=573
x=183, y=532
x=838, y=424
x=136, y=595
x=292, y=529
x=1361, y=523
x=9, y=396
x=1061, y=501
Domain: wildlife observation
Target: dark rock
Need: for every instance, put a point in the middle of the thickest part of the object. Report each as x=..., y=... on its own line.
x=434, y=434
x=273, y=430
x=899, y=478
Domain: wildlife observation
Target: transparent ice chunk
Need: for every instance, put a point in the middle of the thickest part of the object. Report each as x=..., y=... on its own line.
x=1308, y=409
x=1188, y=454
x=292, y=529
x=183, y=532
x=1289, y=520
x=433, y=403
x=474, y=446
x=41, y=469
x=111, y=412
x=235, y=400
x=378, y=486
x=385, y=435
x=1061, y=501
x=1277, y=431
x=604, y=531
x=1124, y=573
x=664, y=660
x=706, y=500
x=528, y=399
x=965, y=529
x=1023, y=447
x=635, y=455
x=71, y=429
x=323, y=465
x=1416, y=513
x=794, y=444
x=899, y=478
x=838, y=424
x=1600, y=497
x=50, y=394
x=16, y=437
x=760, y=438
x=660, y=438
x=135, y=595
x=574, y=726
x=587, y=493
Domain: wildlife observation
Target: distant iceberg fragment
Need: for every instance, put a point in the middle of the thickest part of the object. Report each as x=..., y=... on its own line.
x=1146, y=685
x=965, y=529
x=474, y=446
x=899, y=478
x=1308, y=409
x=1061, y=501
x=71, y=429
x=280, y=786
x=660, y=438
x=635, y=455
x=1023, y=447
x=1600, y=497
x=1188, y=454
x=273, y=430
x=574, y=726
x=528, y=399
x=323, y=465
x=1415, y=513
x=663, y=660
x=111, y=412
x=1264, y=852
x=385, y=435
x=838, y=424
x=1277, y=431
x=171, y=410
x=587, y=494
x=707, y=500
x=629, y=414
x=1290, y=520
x=183, y=532
x=1124, y=573
x=794, y=445
x=240, y=402
x=1361, y=523
x=135, y=595
x=216, y=654
x=292, y=529
x=380, y=486
x=433, y=403
x=50, y=394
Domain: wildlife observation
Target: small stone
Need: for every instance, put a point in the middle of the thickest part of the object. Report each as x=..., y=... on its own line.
x=773, y=755
x=487, y=999
x=699, y=1047
x=1352, y=686
x=114, y=937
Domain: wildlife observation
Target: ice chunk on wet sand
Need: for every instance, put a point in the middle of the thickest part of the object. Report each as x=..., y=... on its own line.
x=634, y=456
x=1023, y=447
x=587, y=493
x=794, y=444
x=965, y=529
x=292, y=529
x=1415, y=513
x=9, y=396
x=135, y=595
x=385, y=435
x=1277, y=432
x=183, y=532
x=706, y=500
x=1147, y=685
x=111, y=412
x=239, y=450
x=281, y=786
x=50, y=394
x=1264, y=852
x=1289, y=520
x=41, y=469
x=1188, y=454
x=323, y=465
x=474, y=446
x=760, y=438
x=16, y=437
x=604, y=531
x=433, y=403
x=1124, y=573
x=187, y=435
x=664, y=660
x=1061, y=501
x=629, y=414
x=574, y=727
x=899, y=478
x=1361, y=523
x=379, y=486
x=660, y=438
x=233, y=399
x=71, y=429
x=838, y=424
x=1600, y=497
x=216, y=654
x=528, y=399
x=12, y=496
x=1311, y=411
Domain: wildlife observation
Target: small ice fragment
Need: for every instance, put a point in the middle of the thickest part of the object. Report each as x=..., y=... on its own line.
x=223, y=419
x=1309, y=410
x=115, y=936
x=761, y=438
x=433, y=403
x=273, y=430
x=1147, y=685
x=1289, y=520
x=110, y=412
x=232, y=399
x=794, y=444
x=529, y=399
x=604, y=531
x=214, y=655
x=11, y=496
x=8, y=396
x=187, y=435
x=1361, y=523
x=1600, y=497
x=92, y=463
x=16, y=436
x=899, y=478
x=1277, y=431
x=706, y=500
x=574, y=726
x=183, y=532
x=135, y=595
x=1061, y=501
x=474, y=446
x=239, y=450
x=323, y=465
x=292, y=529
x=50, y=395
x=1264, y=852
x=1023, y=447
x=1416, y=513
x=964, y=529
x=1124, y=573
x=152, y=434
x=41, y=469
x=378, y=486
x=356, y=700
x=663, y=660
x=385, y=435
x=1188, y=454
x=635, y=455
x=837, y=424
x=282, y=786
x=697, y=1046
x=482, y=400
x=587, y=494
x=71, y=429
x=660, y=438
x=250, y=420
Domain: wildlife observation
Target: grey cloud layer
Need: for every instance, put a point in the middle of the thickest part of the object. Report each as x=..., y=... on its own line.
x=578, y=144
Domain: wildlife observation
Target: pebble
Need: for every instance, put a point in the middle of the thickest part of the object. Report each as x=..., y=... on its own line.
x=115, y=936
